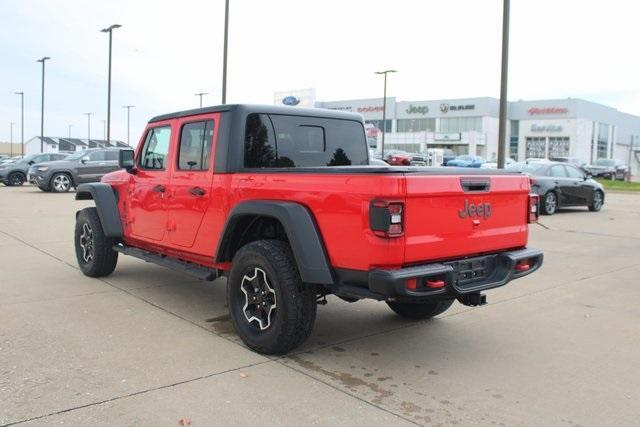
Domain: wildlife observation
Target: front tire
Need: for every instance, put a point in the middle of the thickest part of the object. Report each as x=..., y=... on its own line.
x=422, y=310
x=597, y=202
x=549, y=203
x=94, y=250
x=272, y=311
x=60, y=183
x=16, y=179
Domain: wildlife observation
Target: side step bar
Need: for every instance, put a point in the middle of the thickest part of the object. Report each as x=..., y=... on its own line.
x=189, y=268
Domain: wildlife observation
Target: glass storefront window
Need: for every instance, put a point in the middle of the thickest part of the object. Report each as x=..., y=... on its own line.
x=378, y=124
x=603, y=140
x=460, y=124
x=416, y=125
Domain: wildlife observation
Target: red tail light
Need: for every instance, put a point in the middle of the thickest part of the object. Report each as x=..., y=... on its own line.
x=386, y=219
x=532, y=215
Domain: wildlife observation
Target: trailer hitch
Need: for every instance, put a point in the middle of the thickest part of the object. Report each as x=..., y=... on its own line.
x=473, y=300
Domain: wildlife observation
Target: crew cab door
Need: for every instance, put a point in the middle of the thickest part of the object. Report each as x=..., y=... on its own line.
x=190, y=186
x=147, y=213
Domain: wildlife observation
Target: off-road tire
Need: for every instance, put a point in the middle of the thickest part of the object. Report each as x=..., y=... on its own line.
x=295, y=302
x=545, y=207
x=104, y=258
x=420, y=311
x=595, y=207
x=15, y=179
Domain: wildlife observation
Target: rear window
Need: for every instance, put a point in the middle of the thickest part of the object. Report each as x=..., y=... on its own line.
x=273, y=141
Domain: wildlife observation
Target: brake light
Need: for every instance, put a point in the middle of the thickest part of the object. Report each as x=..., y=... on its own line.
x=532, y=215
x=386, y=218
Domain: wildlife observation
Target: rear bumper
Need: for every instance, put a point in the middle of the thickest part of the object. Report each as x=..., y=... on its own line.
x=461, y=277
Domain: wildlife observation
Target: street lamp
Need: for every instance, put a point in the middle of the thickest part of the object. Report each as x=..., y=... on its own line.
x=128, y=107
x=88, y=128
x=21, y=120
x=224, y=53
x=502, y=125
x=384, y=107
x=110, y=31
x=201, y=94
x=43, y=60
x=11, y=124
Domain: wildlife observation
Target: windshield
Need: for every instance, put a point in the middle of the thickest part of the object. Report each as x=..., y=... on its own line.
x=605, y=162
x=78, y=155
x=26, y=158
x=468, y=158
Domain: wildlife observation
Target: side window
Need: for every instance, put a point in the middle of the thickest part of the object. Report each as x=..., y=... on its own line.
x=97, y=156
x=259, y=142
x=574, y=173
x=558, y=171
x=155, y=149
x=112, y=155
x=298, y=141
x=195, y=146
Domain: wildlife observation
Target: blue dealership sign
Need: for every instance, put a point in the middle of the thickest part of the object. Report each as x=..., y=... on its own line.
x=290, y=100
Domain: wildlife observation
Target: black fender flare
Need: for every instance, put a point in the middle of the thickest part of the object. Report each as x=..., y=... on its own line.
x=106, y=204
x=302, y=233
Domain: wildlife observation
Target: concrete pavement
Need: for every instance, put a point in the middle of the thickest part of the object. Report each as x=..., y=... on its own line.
x=150, y=346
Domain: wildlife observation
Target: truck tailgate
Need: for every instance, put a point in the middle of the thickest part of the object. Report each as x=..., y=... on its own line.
x=454, y=216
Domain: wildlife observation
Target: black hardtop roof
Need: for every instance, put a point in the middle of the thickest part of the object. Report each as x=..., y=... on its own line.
x=265, y=109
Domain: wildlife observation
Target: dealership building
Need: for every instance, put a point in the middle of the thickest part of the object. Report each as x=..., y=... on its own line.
x=541, y=129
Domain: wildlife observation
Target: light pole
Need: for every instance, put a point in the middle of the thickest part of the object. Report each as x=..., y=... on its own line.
x=224, y=52
x=502, y=126
x=201, y=94
x=128, y=107
x=110, y=31
x=43, y=60
x=21, y=121
x=11, y=124
x=88, y=128
x=70, y=126
x=384, y=107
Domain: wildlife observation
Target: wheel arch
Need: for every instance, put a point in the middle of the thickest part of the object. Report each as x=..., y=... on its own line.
x=106, y=202
x=299, y=226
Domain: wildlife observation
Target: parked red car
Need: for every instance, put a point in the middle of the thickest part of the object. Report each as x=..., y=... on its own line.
x=397, y=157
x=283, y=202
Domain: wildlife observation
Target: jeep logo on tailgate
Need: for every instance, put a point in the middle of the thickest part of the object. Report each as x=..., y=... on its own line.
x=481, y=210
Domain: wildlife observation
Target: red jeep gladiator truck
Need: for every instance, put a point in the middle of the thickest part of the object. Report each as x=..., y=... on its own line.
x=283, y=202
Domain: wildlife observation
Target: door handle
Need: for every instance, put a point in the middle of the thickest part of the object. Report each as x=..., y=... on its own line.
x=197, y=191
x=159, y=188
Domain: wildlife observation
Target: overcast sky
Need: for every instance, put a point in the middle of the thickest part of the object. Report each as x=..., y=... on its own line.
x=168, y=50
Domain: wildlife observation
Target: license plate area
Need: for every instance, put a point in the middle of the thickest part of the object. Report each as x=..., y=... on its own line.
x=471, y=271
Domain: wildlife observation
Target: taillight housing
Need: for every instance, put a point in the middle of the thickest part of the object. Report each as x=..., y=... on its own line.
x=386, y=219
x=532, y=212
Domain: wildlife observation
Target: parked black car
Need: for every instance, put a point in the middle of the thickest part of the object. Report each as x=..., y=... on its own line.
x=607, y=168
x=15, y=173
x=560, y=185
x=83, y=166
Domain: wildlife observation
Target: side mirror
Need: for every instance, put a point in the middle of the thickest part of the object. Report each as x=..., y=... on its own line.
x=588, y=176
x=30, y=162
x=126, y=160
x=85, y=159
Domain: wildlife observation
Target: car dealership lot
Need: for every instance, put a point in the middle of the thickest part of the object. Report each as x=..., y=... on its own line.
x=151, y=346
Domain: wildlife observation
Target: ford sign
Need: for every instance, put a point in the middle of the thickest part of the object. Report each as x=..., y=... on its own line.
x=290, y=100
